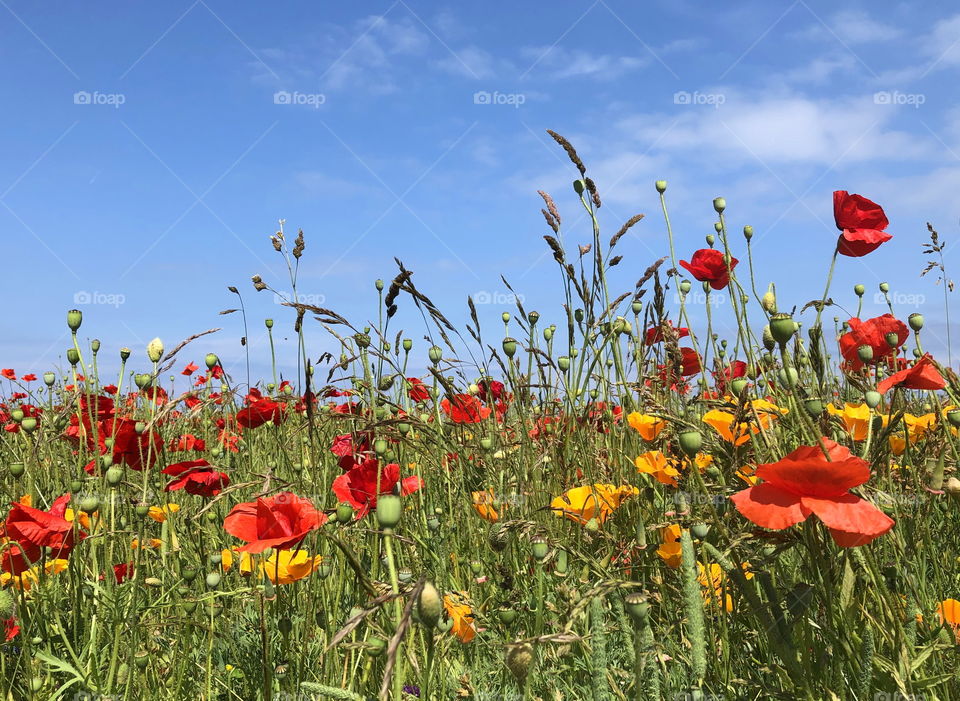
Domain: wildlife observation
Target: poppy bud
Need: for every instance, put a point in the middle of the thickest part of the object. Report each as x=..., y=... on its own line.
x=872, y=399
x=73, y=357
x=563, y=362
x=916, y=321
x=155, y=350
x=865, y=353
x=95, y=345
x=738, y=385
x=814, y=407
x=661, y=186
x=719, y=204
x=789, y=377
x=782, y=328
x=858, y=290
x=579, y=186
x=344, y=512
x=211, y=361
x=435, y=354
x=506, y=317
x=690, y=442
x=509, y=346
x=519, y=658
x=548, y=334
x=429, y=605
x=748, y=232
x=124, y=354
x=389, y=510
x=884, y=287
x=539, y=548
x=711, y=239
x=74, y=319
x=952, y=488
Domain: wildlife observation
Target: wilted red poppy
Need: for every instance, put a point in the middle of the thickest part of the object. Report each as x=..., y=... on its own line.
x=42, y=529
x=197, y=477
x=417, y=391
x=464, y=409
x=280, y=522
x=655, y=334
x=259, y=411
x=707, y=265
x=923, y=375
x=189, y=369
x=872, y=332
x=862, y=223
x=358, y=486
x=805, y=483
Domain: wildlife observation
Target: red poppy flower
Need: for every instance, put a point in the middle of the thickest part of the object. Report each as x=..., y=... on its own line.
x=655, y=333
x=862, y=223
x=131, y=448
x=464, y=409
x=42, y=529
x=197, y=477
x=280, y=522
x=707, y=265
x=123, y=572
x=188, y=442
x=491, y=390
x=872, y=332
x=358, y=486
x=736, y=369
x=352, y=449
x=923, y=375
x=805, y=483
x=29, y=377
x=8, y=373
x=259, y=411
x=417, y=391
x=189, y=369
x=10, y=629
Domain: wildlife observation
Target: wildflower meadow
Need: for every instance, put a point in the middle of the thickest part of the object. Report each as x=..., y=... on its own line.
x=605, y=499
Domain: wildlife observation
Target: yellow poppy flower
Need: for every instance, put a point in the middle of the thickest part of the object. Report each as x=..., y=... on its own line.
x=598, y=501
x=748, y=474
x=28, y=578
x=286, y=566
x=160, y=513
x=460, y=612
x=655, y=463
x=153, y=543
x=669, y=550
x=767, y=411
x=712, y=580
x=484, y=504
x=854, y=417
x=948, y=611
x=723, y=423
x=649, y=427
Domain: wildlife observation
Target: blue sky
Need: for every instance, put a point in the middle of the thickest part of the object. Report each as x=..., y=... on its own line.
x=149, y=150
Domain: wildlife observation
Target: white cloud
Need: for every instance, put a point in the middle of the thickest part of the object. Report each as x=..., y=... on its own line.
x=559, y=63
x=943, y=43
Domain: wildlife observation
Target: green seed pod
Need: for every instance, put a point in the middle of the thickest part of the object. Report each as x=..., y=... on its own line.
x=486, y=443
x=74, y=319
x=789, y=377
x=548, y=334
x=507, y=615
x=884, y=287
x=700, y=530
x=153, y=582
x=142, y=510
x=389, y=510
x=748, y=232
x=872, y=399
x=661, y=186
x=376, y=646
x=16, y=469
x=865, y=353
x=49, y=378
x=519, y=660
x=211, y=361
x=637, y=605
x=344, y=512
x=814, y=407
x=859, y=290
x=719, y=204
x=563, y=363
x=114, y=476
x=953, y=416
x=89, y=504
x=782, y=328
x=29, y=424
x=510, y=347
x=212, y=580
x=916, y=321
x=539, y=548
x=738, y=385
x=690, y=442
x=685, y=286
x=435, y=354
x=711, y=239
x=73, y=357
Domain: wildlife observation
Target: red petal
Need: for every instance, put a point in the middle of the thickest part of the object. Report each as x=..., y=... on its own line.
x=857, y=520
x=770, y=507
